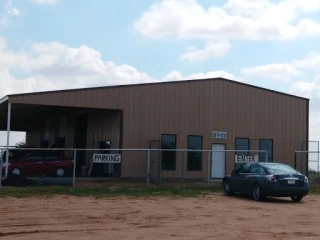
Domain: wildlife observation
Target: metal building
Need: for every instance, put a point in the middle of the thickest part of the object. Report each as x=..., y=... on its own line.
x=180, y=114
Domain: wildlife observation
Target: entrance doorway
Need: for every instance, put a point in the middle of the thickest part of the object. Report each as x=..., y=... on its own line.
x=218, y=161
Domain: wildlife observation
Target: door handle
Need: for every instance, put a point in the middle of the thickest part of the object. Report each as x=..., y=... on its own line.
x=56, y=161
x=39, y=162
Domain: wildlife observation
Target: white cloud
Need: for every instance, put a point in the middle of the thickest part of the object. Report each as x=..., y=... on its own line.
x=281, y=71
x=52, y=66
x=310, y=90
x=211, y=50
x=307, y=89
x=238, y=19
x=285, y=71
x=7, y=13
x=11, y=10
x=49, y=2
x=175, y=75
x=310, y=61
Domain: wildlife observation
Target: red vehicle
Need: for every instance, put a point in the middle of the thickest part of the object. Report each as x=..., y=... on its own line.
x=36, y=163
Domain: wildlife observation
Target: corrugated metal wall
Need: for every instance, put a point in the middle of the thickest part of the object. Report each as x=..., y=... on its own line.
x=193, y=108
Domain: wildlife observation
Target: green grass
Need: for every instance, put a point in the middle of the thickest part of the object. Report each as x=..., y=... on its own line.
x=120, y=190
x=168, y=190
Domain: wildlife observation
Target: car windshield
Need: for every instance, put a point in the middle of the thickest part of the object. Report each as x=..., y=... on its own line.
x=279, y=168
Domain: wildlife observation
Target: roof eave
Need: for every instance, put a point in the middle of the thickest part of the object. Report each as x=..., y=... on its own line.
x=4, y=99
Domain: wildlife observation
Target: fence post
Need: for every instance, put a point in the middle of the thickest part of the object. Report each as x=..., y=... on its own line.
x=74, y=169
x=148, y=168
x=1, y=161
x=209, y=153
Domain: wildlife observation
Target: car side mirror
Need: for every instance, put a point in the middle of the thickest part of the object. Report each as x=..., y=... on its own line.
x=234, y=172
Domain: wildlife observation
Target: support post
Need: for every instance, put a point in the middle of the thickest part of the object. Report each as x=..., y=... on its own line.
x=74, y=169
x=8, y=138
x=318, y=159
x=209, y=170
x=148, y=169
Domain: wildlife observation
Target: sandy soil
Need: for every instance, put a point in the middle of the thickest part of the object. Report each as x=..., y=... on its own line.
x=212, y=217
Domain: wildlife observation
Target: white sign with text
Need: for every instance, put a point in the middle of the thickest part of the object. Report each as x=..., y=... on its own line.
x=107, y=158
x=219, y=135
x=246, y=158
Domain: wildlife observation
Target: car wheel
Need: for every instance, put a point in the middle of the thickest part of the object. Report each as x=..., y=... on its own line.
x=60, y=172
x=296, y=198
x=15, y=171
x=226, y=188
x=256, y=193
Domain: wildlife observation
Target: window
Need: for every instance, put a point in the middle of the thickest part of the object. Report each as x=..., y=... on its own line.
x=243, y=167
x=168, y=157
x=267, y=145
x=280, y=169
x=51, y=156
x=194, y=158
x=35, y=156
x=242, y=144
x=255, y=169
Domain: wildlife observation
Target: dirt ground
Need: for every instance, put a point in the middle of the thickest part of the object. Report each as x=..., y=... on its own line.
x=211, y=217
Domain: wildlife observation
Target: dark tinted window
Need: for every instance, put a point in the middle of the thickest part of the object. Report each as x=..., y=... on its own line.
x=242, y=144
x=194, y=158
x=35, y=156
x=51, y=156
x=280, y=168
x=254, y=168
x=266, y=145
x=244, y=167
x=168, y=157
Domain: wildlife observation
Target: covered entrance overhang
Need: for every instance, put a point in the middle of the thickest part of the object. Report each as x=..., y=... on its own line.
x=52, y=126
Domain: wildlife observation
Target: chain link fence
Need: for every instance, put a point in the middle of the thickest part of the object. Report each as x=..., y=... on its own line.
x=72, y=167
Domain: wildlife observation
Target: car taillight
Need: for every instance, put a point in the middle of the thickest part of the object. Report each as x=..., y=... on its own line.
x=306, y=179
x=272, y=178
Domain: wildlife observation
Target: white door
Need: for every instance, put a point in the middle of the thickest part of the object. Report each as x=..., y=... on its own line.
x=218, y=161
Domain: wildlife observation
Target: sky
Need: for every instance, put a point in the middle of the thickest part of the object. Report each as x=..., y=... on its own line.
x=58, y=44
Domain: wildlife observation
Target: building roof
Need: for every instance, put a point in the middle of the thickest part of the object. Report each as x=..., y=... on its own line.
x=151, y=83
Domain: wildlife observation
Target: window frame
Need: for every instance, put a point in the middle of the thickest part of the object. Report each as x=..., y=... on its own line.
x=175, y=153
x=200, y=159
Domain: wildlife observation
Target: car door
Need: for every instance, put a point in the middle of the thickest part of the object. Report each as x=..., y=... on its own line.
x=51, y=162
x=254, y=172
x=237, y=179
x=32, y=163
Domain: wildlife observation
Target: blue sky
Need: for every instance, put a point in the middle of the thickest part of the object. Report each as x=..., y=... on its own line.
x=54, y=44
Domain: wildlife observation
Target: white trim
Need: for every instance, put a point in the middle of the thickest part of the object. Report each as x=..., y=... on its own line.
x=2, y=100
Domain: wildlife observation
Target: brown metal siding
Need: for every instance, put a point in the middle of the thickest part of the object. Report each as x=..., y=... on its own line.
x=194, y=108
